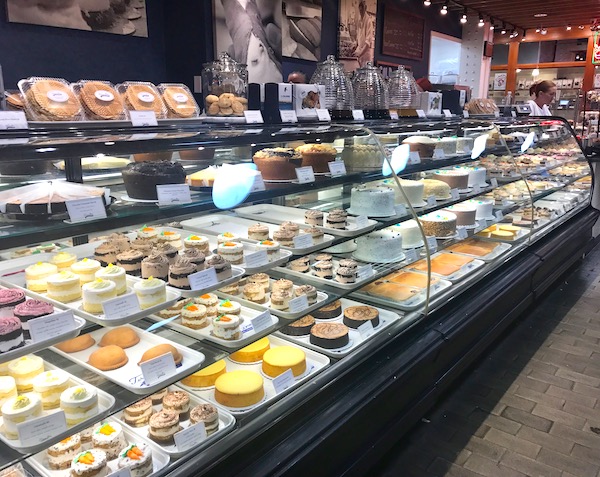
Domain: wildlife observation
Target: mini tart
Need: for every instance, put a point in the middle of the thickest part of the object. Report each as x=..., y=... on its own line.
x=159, y=350
x=329, y=335
x=123, y=337
x=108, y=358
x=253, y=352
x=278, y=360
x=327, y=312
x=206, y=376
x=299, y=327
x=239, y=389
x=354, y=316
x=76, y=344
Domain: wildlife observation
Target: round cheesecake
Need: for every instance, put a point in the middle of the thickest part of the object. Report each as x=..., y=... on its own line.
x=239, y=389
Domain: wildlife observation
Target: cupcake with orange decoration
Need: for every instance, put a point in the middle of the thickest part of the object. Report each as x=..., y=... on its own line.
x=91, y=462
x=138, y=458
x=194, y=316
x=148, y=233
x=228, y=307
x=173, y=238
x=109, y=438
x=198, y=242
x=271, y=247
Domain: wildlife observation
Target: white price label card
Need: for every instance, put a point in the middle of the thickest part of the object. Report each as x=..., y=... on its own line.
x=414, y=158
x=13, y=120
x=253, y=117
x=366, y=329
x=542, y=222
x=499, y=215
x=288, y=116
x=454, y=194
x=358, y=115
x=158, y=369
x=506, y=203
x=394, y=115
x=431, y=202
x=303, y=241
x=337, y=168
x=432, y=243
x=323, y=115
x=190, y=437
x=496, y=114
x=36, y=431
x=142, y=136
x=283, y=381
x=124, y=472
x=362, y=221
x=494, y=182
x=447, y=113
x=50, y=326
x=481, y=224
x=421, y=113
x=256, y=259
x=411, y=255
x=298, y=304
x=400, y=209
x=364, y=272
x=173, y=194
x=203, y=279
x=439, y=154
x=143, y=118
x=121, y=306
x=258, y=184
x=513, y=114
x=476, y=189
x=262, y=321
x=462, y=233
x=305, y=174
x=82, y=210
x=465, y=114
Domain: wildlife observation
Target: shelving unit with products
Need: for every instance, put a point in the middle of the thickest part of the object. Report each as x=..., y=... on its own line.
x=493, y=194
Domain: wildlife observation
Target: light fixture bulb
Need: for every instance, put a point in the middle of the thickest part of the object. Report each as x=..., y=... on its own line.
x=537, y=30
x=463, y=19
x=503, y=31
x=544, y=31
x=492, y=26
x=568, y=27
x=427, y=3
x=444, y=10
x=535, y=72
x=480, y=24
x=581, y=27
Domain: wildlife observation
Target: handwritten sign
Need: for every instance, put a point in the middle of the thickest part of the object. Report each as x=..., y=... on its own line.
x=203, y=279
x=13, y=120
x=403, y=33
x=190, y=437
x=121, y=306
x=36, y=431
x=253, y=117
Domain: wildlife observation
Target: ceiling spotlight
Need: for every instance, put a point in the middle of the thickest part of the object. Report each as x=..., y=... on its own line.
x=540, y=15
x=492, y=27
x=463, y=19
x=537, y=30
x=535, y=72
x=568, y=27
x=444, y=9
x=524, y=35
x=581, y=27
x=480, y=24
x=427, y=2
x=544, y=31
x=503, y=29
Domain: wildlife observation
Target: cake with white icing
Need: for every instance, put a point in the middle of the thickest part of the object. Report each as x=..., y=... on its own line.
x=439, y=224
x=455, y=178
x=465, y=214
x=412, y=189
x=372, y=201
x=476, y=175
x=485, y=208
x=382, y=246
x=439, y=189
x=448, y=145
x=362, y=157
x=411, y=234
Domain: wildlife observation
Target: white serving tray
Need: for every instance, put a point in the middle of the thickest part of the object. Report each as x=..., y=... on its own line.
x=321, y=297
x=500, y=250
x=248, y=333
x=315, y=363
x=278, y=214
x=311, y=277
x=15, y=277
x=226, y=423
x=412, y=303
x=522, y=235
x=220, y=223
x=160, y=458
x=386, y=318
x=105, y=404
x=130, y=375
x=457, y=276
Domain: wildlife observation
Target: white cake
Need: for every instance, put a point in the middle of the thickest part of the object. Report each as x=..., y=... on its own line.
x=439, y=189
x=455, y=178
x=448, y=145
x=372, y=201
x=465, y=214
x=485, y=208
x=361, y=157
x=439, y=224
x=464, y=145
x=476, y=175
x=412, y=189
x=382, y=246
x=411, y=234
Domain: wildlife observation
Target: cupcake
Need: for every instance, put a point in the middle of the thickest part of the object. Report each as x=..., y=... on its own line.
x=156, y=265
x=179, y=273
x=222, y=267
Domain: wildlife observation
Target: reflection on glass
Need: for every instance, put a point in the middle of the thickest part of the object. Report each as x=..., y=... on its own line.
x=233, y=184
x=528, y=141
x=398, y=162
x=479, y=146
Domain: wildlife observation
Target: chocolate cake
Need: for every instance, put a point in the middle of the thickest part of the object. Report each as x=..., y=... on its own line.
x=354, y=316
x=327, y=312
x=299, y=327
x=329, y=335
x=141, y=178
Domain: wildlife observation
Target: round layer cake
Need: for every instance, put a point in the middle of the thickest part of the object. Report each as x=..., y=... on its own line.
x=318, y=156
x=372, y=201
x=465, y=214
x=277, y=163
x=424, y=145
x=455, y=178
x=362, y=157
x=485, y=208
x=439, y=189
x=382, y=246
x=439, y=224
x=476, y=175
x=412, y=189
x=411, y=233
x=448, y=145
x=141, y=178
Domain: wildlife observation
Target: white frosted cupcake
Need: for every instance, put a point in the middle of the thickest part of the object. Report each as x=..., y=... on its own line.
x=138, y=458
x=86, y=269
x=197, y=241
x=227, y=327
x=49, y=385
x=115, y=274
x=228, y=307
x=20, y=409
x=62, y=453
x=90, y=463
x=109, y=438
x=150, y=292
x=97, y=292
x=79, y=403
x=271, y=247
x=8, y=389
x=233, y=252
x=64, y=286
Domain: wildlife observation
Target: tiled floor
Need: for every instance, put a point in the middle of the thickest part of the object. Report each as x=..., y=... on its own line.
x=532, y=406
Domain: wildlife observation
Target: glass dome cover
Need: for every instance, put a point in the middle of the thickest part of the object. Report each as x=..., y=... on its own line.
x=339, y=93
x=402, y=89
x=370, y=90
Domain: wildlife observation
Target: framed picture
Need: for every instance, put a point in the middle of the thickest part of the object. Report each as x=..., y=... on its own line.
x=356, y=32
x=403, y=33
x=301, y=29
x=499, y=81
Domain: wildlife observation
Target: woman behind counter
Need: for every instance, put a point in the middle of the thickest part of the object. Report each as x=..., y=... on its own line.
x=542, y=93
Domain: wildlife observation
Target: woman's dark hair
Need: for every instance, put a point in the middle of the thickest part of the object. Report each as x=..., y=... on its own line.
x=541, y=86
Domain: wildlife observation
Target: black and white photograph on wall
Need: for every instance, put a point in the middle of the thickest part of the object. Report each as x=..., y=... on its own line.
x=356, y=35
x=250, y=31
x=301, y=31
x=121, y=17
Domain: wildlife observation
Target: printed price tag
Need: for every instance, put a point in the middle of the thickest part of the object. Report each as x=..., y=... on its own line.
x=173, y=194
x=394, y=115
x=50, y=326
x=262, y=321
x=421, y=113
x=481, y=224
x=506, y=203
x=494, y=182
x=465, y=114
x=454, y=194
x=298, y=304
x=362, y=221
x=124, y=472
x=258, y=184
x=82, y=210
x=158, y=369
x=121, y=306
x=303, y=241
x=142, y=136
x=431, y=202
x=476, y=189
x=513, y=114
x=190, y=437
x=496, y=114
x=499, y=215
x=288, y=116
x=414, y=158
x=305, y=174
x=358, y=115
x=366, y=329
x=439, y=154
x=462, y=233
x=143, y=118
x=400, y=209
x=323, y=115
x=253, y=117
x=13, y=120
x=36, y=431
x=447, y=113
x=203, y=279
x=365, y=272
x=283, y=381
x=256, y=259
x=411, y=255
x=542, y=222
x=432, y=243
x=337, y=168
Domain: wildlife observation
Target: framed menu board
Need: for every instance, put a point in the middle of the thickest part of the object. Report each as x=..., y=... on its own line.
x=403, y=33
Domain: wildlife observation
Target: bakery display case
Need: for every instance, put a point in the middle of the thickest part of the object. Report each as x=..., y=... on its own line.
x=247, y=312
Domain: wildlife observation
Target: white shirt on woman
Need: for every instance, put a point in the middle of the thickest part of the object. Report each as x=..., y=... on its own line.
x=537, y=111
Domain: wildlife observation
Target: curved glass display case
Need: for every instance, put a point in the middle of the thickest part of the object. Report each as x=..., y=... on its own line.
x=350, y=235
